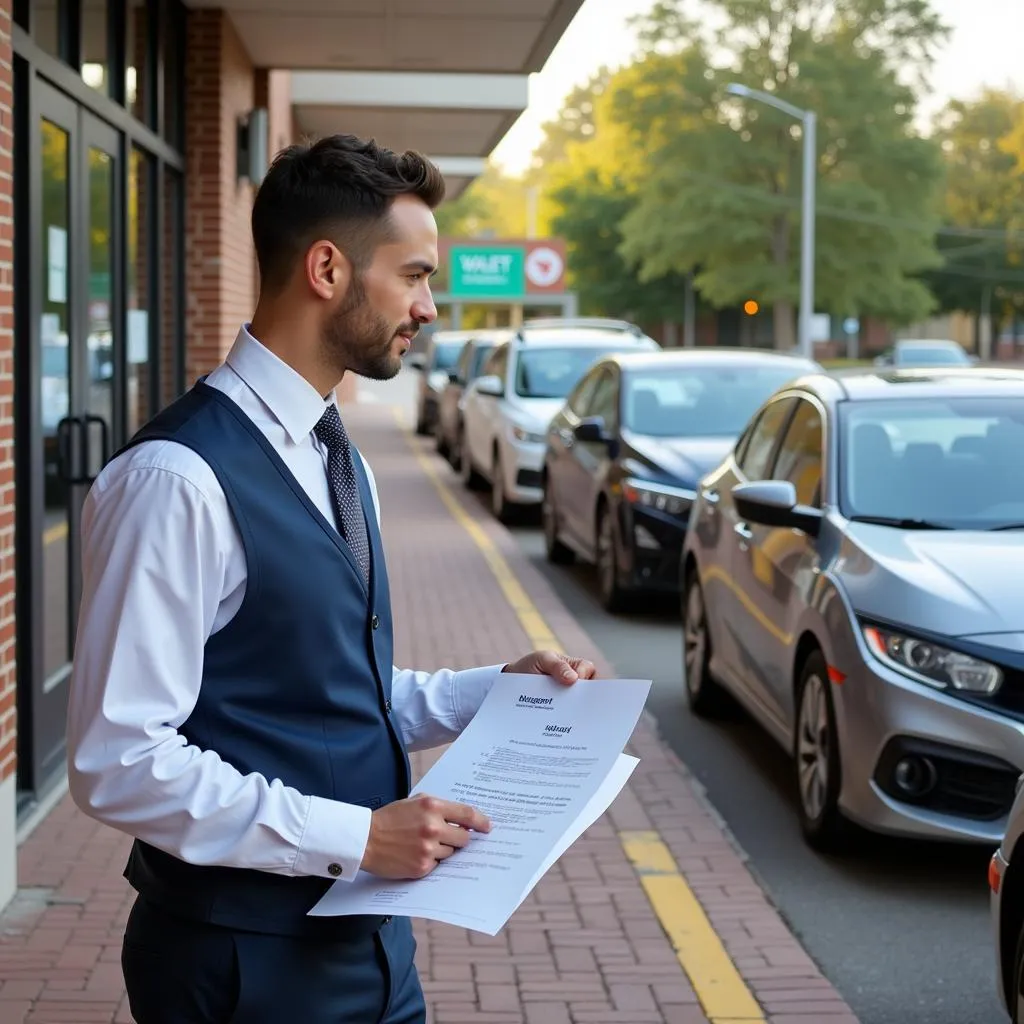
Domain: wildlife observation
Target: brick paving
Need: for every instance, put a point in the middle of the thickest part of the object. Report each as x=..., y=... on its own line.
x=585, y=946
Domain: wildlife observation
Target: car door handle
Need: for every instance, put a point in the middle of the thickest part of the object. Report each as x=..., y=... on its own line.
x=744, y=533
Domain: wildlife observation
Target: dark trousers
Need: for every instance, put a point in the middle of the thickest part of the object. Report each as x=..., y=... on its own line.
x=187, y=972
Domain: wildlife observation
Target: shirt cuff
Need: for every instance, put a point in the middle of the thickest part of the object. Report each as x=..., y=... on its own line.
x=334, y=839
x=469, y=688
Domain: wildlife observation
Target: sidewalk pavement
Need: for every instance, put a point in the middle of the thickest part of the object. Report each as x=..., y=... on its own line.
x=651, y=917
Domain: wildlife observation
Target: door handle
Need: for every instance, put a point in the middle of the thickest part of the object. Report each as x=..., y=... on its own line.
x=744, y=533
x=70, y=454
x=89, y=421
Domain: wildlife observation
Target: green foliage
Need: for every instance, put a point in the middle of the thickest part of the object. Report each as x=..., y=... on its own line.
x=983, y=249
x=722, y=196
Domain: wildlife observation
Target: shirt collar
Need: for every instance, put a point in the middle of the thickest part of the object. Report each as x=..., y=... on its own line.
x=291, y=399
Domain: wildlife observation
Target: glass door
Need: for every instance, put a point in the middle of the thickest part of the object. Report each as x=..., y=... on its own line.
x=74, y=215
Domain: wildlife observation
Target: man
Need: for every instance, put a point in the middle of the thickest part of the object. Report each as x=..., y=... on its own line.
x=234, y=705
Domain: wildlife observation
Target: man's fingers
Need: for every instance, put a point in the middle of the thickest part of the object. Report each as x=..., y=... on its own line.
x=462, y=814
x=455, y=837
x=584, y=669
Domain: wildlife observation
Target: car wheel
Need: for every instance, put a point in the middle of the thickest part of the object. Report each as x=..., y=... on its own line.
x=1016, y=1000
x=440, y=444
x=613, y=596
x=557, y=552
x=500, y=505
x=704, y=696
x=816, y=757
x=470, y=477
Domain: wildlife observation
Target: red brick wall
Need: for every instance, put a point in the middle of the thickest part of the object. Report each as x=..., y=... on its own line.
x=220, y=270
x=7, y=652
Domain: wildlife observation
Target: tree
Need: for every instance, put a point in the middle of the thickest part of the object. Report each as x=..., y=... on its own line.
x=721, y=191
x=983, y=145
x=590, y=174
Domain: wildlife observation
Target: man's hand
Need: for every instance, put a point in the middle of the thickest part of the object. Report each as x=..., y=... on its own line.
x=560, y=667
x=409, y=838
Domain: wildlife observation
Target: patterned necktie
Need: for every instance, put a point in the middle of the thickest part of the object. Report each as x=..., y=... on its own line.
x=341, y=475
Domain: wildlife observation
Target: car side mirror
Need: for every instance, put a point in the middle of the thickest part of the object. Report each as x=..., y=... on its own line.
x=591, y=431
x=417, y=361
x=773, y=503
x=491, y=385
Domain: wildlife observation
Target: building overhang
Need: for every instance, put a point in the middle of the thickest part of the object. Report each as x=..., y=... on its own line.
x=480, y=36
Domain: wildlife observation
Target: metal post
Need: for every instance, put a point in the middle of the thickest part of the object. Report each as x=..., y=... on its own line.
x=807, y=235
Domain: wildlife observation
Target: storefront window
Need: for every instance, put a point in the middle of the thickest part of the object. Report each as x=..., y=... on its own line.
x=47, y=16
x=95, y=30
x=172, y=42
x=172, y=363
x=138, y=85
x=137, y=301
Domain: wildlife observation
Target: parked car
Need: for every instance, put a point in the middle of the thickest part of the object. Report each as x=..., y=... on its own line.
x=625, y=453
x=848, y=578
x=1006, y=882
x=925, y=352
x=434, y=366
x=448, y=426
x=523, y=384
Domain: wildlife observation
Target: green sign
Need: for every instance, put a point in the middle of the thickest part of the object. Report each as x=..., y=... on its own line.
x=482, y=272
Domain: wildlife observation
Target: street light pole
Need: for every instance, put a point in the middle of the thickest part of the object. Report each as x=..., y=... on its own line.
x=809, y=121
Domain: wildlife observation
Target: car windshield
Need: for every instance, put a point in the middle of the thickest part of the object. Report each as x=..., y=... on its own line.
x=480, y=354
x=699, y=401
x=554, y=372
x=446, y=354
x=937, y=356
x=950, y=461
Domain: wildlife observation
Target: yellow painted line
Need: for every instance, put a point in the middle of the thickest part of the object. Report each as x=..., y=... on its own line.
x=55, y=533
x=723, y=993
x=537, y=630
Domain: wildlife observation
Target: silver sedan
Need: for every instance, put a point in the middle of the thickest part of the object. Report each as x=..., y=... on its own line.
x=854, y=576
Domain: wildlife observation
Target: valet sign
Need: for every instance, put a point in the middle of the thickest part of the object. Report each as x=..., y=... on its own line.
x=506, y=270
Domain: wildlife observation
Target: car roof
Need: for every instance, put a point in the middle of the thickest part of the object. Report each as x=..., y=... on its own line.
x=560, y=336
x=712, y=356
x=859, y=384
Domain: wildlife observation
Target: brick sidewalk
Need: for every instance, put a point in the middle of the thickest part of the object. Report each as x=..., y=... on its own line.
x=585, y=947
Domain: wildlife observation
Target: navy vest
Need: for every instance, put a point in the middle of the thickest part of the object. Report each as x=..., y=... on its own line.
x=297, y=686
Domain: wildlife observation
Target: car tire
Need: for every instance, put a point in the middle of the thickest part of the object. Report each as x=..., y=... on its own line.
x=470, y=477
x=440, y=444
x=816, y=760
x=612, y=594
x=502, y=508
x=557, y=552
x=1015, y=997
x=704, y=695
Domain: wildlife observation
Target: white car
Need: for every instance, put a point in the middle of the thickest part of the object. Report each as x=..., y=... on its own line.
x=524, y=383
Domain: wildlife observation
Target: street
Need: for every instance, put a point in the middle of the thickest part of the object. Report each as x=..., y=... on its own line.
x=902, y=929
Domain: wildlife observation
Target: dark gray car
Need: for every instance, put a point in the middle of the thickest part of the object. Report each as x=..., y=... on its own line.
x=854, y=576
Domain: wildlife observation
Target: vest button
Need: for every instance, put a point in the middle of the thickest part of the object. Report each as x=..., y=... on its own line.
x=334, y=869
x=387, y=706
x=375, y=622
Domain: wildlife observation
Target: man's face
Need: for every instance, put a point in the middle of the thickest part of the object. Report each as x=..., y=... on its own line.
x=385, y=306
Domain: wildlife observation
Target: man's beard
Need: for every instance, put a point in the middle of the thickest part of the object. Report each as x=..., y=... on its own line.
x=361, y=340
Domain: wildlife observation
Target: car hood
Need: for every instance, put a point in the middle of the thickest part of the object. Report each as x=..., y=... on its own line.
x=687, y=458
x=955, y=582
x=538, y=412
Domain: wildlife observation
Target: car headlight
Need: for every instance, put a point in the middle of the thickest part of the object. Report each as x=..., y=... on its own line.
x=932, y=664
x=674, y=500
x=522, y=434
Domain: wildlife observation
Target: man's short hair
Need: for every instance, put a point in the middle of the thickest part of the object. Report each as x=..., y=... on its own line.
x=340, y=188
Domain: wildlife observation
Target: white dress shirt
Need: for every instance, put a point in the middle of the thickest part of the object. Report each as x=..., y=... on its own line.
x=163, y=569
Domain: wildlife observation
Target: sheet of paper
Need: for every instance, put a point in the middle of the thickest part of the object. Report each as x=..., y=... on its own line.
x=532, y=759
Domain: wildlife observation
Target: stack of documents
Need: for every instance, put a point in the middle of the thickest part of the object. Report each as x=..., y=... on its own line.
x=543, y=761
